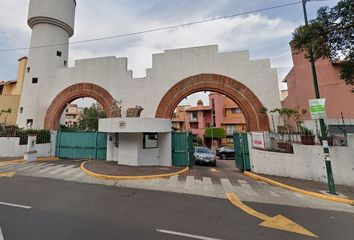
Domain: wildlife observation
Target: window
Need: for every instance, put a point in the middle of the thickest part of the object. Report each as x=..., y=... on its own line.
x=28, y=69
x=1, y=89
x=29, y=123
x=65, y=63
x=58, y=53
x=235, y=110
x=194, y=125
x=34, y=80
x=150, y=140
x=116, y=140
x=21, y=109
x=194, y=116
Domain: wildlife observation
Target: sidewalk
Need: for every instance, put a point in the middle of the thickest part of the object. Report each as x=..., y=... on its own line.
x=6, y=159
x=313, y=186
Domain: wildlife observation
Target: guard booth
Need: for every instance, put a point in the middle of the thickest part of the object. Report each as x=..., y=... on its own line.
x=182, y=149
x=138, y=141
x=242, y=155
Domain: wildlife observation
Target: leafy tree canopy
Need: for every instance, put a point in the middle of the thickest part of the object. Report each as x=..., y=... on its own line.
x=90, y=116
x=331, y=36
x=215, y=132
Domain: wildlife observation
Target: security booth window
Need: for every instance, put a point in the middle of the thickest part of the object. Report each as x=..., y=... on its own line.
x=150, y=140
x=116, y=140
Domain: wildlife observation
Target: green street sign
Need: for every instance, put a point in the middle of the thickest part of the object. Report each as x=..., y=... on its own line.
x=317, y=108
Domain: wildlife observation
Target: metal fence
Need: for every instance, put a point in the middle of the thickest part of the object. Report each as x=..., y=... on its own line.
x=283, y=142
x=43, y=136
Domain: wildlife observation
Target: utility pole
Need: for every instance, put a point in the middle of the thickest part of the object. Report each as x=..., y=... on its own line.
x=212, y=133
x=331, y=185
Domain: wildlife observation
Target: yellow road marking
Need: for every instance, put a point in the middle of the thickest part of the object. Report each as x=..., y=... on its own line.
x=12, y=162
x=8, y=174
x=312, y=194
x=278, y=222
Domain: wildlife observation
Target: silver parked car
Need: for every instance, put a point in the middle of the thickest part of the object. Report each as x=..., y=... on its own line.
x=204, y=156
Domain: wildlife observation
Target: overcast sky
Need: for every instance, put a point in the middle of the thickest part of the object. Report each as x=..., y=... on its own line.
x=265, y=34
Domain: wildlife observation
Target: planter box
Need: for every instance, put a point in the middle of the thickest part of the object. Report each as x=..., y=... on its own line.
x=308, y=139
x=288, y=147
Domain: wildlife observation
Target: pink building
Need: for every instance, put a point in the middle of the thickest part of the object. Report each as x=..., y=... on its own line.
x=221, y=113
x=339, y=98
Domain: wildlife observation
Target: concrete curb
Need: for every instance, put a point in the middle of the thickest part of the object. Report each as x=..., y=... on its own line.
x=12, y=162
x=24, y=161
x=312, y=194
x=112, y=177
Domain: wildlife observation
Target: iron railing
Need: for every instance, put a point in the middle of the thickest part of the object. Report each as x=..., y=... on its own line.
x=43, y=135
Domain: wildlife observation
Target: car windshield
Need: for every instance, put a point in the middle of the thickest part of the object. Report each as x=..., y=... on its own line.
x=202, y=150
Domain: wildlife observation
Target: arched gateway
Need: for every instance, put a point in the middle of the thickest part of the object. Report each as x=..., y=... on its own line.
x=50, y=84
x=251, y=106
x=69, y=94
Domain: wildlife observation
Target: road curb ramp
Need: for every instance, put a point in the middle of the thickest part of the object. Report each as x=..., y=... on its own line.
x=291, y=188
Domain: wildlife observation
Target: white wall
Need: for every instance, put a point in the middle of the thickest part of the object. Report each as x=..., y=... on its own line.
x=165, y=149
x=128, y=149
x=10, y=147
x=168, y=68
x=307, y=162
x=110, y=147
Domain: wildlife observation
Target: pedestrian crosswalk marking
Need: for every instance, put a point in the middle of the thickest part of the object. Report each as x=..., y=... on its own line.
x=246, y=187
x=187, y=184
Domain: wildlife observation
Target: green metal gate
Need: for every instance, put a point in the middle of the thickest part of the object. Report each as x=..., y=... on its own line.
x=182, y=149
x=242, y=156
x=81, y=145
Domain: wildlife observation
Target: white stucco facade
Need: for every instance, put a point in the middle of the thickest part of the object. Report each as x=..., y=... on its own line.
x=307, y=163
x=111, y=73
x=10, y=147
x=125, y=143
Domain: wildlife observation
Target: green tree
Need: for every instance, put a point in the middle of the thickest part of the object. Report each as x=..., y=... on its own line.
x=215, y=133
x=331, y=36
x=90, y=116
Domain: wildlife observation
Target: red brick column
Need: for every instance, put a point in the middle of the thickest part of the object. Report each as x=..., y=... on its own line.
x=69, y=94
x=239, y=93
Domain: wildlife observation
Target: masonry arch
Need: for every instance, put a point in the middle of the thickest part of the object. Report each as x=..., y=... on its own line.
x=249, y=103
x=71, y=93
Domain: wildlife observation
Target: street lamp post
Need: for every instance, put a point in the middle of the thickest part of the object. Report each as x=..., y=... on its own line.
x=331, y=185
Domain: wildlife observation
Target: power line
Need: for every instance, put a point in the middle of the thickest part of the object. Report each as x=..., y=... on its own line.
x=157, y=29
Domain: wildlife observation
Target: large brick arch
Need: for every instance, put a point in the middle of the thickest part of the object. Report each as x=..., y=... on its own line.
x=69, y=94
x=249, y=103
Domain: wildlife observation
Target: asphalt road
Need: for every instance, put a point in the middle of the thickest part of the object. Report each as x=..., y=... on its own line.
x=69, y=210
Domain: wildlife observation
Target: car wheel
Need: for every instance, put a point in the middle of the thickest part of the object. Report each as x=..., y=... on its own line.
x=223, y=156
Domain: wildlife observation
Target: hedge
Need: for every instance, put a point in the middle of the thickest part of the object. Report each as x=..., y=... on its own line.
x=217, y=133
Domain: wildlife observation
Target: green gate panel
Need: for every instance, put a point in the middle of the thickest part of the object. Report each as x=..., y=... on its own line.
x=242, y=156
x=182, y=149
x=101, y=146
x=81, y=145
x=238, y=151
x=246, y=153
